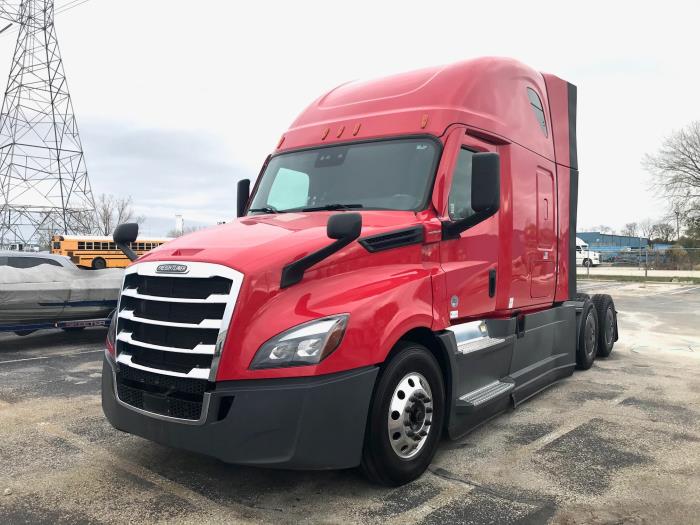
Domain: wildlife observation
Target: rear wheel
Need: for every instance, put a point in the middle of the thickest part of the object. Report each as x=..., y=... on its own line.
x=607, y=323
x=587, y=346
x=587, y=263
x=405, y=417
x=98, y=263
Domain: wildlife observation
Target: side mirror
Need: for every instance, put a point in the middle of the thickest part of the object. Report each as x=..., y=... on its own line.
x=485, y=193
x=486, y=182
x=242, y=197
x=123, y=236
x=343, y=227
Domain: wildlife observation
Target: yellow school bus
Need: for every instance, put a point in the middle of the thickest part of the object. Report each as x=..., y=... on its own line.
x=92, y=251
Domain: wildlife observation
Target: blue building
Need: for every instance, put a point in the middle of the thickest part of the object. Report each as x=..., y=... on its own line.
x=602, y=242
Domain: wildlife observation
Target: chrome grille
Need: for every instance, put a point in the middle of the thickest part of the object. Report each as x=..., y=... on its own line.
x=172, y=326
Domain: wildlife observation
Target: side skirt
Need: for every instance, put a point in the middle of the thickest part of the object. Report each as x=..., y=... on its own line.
x=497, y=364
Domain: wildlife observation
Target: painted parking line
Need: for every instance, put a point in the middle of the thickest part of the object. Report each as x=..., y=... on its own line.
x=49, y=356
x=684, y=290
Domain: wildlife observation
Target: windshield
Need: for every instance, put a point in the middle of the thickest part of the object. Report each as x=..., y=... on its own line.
x=384, y=175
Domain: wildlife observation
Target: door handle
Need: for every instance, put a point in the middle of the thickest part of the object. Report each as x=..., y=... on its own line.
x=492, y=282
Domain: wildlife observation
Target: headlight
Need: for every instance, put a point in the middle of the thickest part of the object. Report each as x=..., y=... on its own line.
x=305, y=344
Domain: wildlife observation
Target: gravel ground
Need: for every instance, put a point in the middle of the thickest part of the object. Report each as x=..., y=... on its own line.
x=619, y=443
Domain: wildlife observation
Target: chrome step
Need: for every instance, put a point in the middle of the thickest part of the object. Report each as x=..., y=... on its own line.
x=476, y=398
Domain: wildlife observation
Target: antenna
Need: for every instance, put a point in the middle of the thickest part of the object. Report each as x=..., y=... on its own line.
x=44, y=184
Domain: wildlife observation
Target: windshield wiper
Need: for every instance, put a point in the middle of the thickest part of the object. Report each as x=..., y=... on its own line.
x=266, y=209
x=332, y=207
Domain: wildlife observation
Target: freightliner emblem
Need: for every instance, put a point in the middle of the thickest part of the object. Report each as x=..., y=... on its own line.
x=171, y=268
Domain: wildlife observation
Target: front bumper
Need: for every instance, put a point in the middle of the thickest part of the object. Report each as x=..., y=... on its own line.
x=296, y=423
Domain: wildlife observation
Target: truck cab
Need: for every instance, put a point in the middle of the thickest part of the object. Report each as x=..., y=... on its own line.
x=403, y=269
x=584, y=255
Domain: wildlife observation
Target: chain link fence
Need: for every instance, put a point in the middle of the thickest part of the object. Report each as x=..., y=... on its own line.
x=672, y=261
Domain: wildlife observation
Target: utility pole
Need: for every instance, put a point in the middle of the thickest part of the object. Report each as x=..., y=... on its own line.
x=44, y=184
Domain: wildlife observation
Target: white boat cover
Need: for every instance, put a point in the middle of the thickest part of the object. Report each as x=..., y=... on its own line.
x=47, y=284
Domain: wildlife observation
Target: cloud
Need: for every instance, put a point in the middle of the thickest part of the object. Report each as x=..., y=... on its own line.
x=166, y=171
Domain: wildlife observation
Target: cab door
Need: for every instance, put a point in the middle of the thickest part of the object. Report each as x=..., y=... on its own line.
x=469, y=260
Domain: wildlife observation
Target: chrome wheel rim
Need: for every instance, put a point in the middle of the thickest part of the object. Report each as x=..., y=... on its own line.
x=590, y=333
x=410, y=415
x=609, y=326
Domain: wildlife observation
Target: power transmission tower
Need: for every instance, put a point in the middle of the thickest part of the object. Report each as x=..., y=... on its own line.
x=44, y=185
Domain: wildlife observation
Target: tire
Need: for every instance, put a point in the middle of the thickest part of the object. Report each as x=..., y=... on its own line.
x=23, y=333
x=587, y=263
x=607, y=323
x=587, y=344
x=404, y=455
x=98, y=263
x=583, y=297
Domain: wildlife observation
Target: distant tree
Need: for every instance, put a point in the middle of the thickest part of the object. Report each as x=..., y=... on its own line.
x=630, y=229
x=664, y=231
x=692, y=230
x=680, y=211
x=113, y=211
x=605, y=229
x=676, y=170
x=647, y=228
x=678, y=255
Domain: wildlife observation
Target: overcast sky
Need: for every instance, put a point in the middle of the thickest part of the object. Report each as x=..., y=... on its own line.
x=178, y=100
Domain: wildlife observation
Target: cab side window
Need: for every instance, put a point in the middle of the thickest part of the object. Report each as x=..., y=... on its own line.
x=460, y=200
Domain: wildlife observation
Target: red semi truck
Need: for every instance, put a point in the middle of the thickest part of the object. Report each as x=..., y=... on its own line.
x=403, y=270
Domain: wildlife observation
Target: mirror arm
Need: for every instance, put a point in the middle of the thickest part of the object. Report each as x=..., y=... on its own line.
x=294, y=271
x=452, y=229
x=126, y=250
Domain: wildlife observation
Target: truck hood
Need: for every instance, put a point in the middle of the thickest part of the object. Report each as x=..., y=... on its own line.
x=261, y=242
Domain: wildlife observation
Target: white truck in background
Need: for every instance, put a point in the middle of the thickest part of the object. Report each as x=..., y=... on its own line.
x=585, y=256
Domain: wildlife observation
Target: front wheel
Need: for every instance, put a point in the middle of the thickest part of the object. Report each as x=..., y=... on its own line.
x=98, y=263
x=587, y=263
x=405, y=418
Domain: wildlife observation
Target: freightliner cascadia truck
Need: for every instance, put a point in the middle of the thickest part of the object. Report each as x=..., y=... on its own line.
x=403, y=270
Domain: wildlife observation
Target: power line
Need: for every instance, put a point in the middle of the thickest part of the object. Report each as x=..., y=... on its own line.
x=72, y=4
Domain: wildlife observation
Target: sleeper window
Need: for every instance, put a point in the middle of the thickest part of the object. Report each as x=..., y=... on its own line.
x=538, y=109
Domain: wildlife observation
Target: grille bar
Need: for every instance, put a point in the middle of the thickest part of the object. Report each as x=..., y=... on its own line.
x=207, y=323
x=125, y=337
x=195, y=373
x=213, y=298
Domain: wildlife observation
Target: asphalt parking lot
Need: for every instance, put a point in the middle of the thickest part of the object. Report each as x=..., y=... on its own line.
x=619, y=443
